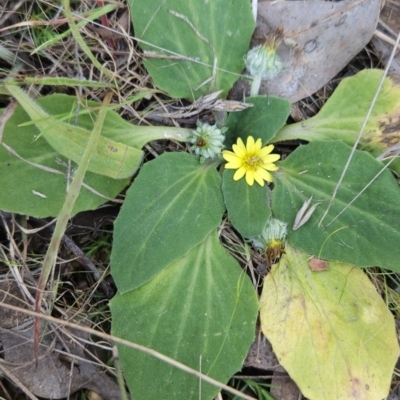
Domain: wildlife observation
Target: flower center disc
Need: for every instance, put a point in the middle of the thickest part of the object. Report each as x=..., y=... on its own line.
x=252, y=161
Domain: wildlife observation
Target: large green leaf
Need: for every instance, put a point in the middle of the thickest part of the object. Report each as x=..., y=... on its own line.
x=200, y=310
x=34, y=177
x=330, y=330
x=367, y=233
x=343, y=114
x=247, y=206
x=29, y=188
x=67, y=109
x=263, y=120
x=171, y=207
x=110, y=158
x=197, y=46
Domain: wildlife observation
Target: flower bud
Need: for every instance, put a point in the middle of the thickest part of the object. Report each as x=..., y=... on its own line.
x=274, y=231
x=263, y=61
x=271, y=241
x=207, y=140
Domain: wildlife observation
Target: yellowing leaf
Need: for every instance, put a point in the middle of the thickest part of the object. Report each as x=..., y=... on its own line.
x=330, y=330
x=343, y=115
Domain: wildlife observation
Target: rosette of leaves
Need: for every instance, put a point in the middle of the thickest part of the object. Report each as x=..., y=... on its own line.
x=180, y=292
x=171, y=270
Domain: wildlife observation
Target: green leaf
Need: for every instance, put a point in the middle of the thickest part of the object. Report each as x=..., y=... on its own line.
x=247, y=206
x=115, y=128
x=171, y=207
x=343, y=115
x=63, y=81
x=111, y=158
x=368, y=232
x=34, y=177
x=201, y=310
x=330, y=330
x=197, y=46
x=263, y=120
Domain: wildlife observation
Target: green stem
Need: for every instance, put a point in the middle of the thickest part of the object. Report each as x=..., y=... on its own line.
x=255, y=86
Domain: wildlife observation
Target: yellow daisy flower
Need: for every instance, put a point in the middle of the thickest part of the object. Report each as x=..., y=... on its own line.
x=251, y=160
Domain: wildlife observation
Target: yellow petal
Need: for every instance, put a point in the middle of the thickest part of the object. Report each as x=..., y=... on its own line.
x=258, y=145
x=271, y=158
x=239, y=174
x=240, y=143
x=266, y=150
x=231, y=157
x=270, y=167
x=228, y=152
x=239, y=150
x=232, y=166
x=265, y=175
x=258, y=178
x=250, y=144
x=250, y=177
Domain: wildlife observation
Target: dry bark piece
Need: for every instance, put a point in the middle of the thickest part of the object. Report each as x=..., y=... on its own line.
x=319, y=40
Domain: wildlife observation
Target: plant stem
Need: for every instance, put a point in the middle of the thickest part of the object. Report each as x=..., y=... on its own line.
x=255, y=86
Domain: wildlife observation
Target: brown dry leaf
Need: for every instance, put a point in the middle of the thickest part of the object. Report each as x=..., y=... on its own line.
x=63, y=366
x=321, y=38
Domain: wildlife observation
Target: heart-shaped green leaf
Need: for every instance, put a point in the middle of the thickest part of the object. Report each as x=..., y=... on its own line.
x=200, y=310
x=171, y=207
x=330, y=330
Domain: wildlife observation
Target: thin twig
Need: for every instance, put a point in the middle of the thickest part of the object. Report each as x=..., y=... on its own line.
x=14, y=379
x=103, y=285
